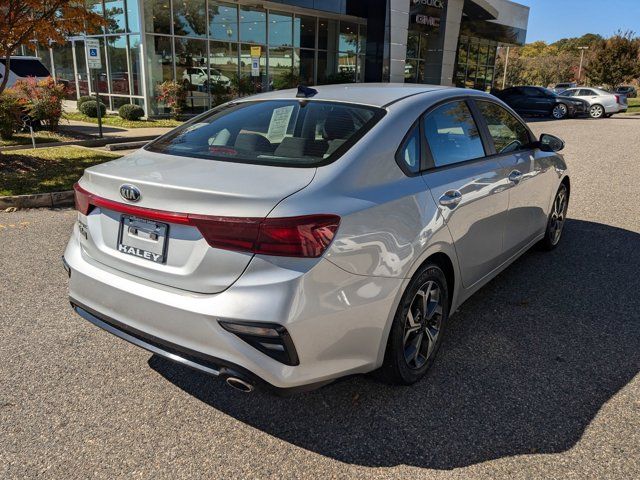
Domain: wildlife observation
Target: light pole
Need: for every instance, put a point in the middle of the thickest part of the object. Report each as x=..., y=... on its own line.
x=506, y=65
x=582, y=49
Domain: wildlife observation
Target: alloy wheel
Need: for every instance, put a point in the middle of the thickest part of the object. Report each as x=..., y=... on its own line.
x=558, y=216
x=423, y=324
x=596, y=111
x=560, y=111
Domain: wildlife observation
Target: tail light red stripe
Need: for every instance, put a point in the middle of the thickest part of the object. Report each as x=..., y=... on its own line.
x=303, y=236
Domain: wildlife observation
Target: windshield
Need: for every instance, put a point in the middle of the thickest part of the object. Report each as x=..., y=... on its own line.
x=293, y=133
x=551, y=93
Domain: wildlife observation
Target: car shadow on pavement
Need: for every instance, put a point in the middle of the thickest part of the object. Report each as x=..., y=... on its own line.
x=526, y=365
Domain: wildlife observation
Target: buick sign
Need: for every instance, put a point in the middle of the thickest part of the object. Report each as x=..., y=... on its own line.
x=130, y=193
x=430, y=3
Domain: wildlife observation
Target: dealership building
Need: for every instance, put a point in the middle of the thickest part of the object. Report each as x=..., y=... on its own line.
x=251, y=46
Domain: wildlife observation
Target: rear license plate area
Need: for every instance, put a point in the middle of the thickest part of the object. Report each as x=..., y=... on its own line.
x=143, y=238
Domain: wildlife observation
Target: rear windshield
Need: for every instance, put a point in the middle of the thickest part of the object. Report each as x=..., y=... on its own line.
x=290, y=133
x=27, y=68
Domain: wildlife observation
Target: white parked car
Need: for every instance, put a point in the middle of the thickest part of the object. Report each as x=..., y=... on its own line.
x=21, y=68
x=198, y=76
x=601, y=103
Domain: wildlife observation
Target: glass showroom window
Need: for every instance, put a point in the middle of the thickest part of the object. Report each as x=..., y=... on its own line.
x=159, y=67
x=475, y=64
x=347, y=48
x=157, y=16
x=327, y=51
x=362, y=50
x=223, y=61
x=281, y=51
x=133, y=16
x=416, y=55
x=192, y=69
x=253, y=25
x=63, y=63
x=223, y=21
x=249, y=84
x=118, y=64
x=304, y=55
x=115, y=17
x=135, y=54
x=190, y=18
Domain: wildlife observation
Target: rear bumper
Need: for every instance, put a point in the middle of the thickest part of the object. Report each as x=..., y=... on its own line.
x=337, y=321
x=176, y=353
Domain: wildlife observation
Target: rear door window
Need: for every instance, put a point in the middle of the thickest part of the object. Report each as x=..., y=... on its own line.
x=507, y=132
x=452, y=134
x=533, y=92
x=274, y=132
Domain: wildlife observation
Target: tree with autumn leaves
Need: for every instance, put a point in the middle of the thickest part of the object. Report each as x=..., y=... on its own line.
x=27, y=22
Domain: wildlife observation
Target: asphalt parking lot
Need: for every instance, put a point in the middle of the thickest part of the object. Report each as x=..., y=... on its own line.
x=537, y=378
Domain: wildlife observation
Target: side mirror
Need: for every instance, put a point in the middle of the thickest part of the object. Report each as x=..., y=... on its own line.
x=550, y=143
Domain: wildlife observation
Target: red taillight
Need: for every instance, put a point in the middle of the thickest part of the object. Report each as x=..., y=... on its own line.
x=229, y=233
x=81, y=199
x=304, y=236
x=617, y=98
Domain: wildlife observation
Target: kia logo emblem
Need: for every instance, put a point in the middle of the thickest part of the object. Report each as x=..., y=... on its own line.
x=130, y=193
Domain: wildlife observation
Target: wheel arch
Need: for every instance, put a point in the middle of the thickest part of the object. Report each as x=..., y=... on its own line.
x=446, y=263
x=567, y=182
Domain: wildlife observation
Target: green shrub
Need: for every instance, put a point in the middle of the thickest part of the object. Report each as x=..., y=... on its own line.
x=85, y=98
x=9, y=114
x=90, y=109
x=129, y=111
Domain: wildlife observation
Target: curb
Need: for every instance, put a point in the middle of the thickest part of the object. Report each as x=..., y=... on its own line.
x=100, y=142
x=114, y=147
x=38, y=200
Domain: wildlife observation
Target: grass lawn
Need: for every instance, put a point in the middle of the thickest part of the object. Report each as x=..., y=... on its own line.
x=116, y=121
x=41, y=137
x=43, y=170
x=634, y=105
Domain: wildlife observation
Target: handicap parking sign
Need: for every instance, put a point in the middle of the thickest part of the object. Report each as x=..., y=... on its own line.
x=93, y=53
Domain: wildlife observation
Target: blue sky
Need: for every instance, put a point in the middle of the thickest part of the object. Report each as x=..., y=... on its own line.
x=551, y=20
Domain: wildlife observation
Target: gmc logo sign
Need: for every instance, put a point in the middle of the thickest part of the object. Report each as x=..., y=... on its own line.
x=427, y=20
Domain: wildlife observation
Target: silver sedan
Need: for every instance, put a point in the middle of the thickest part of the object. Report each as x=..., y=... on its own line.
x=288, y=239
x=602, y=104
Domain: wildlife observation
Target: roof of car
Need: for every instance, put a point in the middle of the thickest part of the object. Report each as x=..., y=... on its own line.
x=374, y=94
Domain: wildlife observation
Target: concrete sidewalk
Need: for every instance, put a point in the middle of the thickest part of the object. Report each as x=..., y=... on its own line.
x=90, y=130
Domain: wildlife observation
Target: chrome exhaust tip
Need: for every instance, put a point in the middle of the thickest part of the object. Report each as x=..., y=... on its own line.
x=239, y=384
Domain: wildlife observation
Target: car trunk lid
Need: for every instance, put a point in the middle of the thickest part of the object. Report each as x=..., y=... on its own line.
x=163, y=248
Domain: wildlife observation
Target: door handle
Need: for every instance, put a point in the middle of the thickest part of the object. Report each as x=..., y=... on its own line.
x=515, y=176
x=450, y=199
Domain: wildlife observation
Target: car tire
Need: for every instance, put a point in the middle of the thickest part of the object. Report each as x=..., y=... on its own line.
x=597, y=111
x=556, y=220
x=418, y=327
x=560, y=111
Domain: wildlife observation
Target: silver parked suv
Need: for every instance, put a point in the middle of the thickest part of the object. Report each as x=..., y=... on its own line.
x=290, y=238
